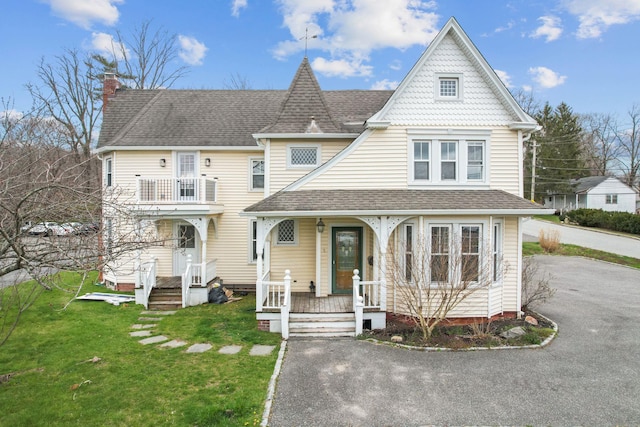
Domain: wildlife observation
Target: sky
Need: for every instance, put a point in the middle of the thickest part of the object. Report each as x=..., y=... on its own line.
x=581, y=52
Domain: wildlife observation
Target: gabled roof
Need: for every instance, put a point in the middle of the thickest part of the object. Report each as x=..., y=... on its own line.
x=453, y=30
x=583, y=185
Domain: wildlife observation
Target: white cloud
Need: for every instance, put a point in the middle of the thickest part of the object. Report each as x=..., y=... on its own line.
x=105, y=45
x=349, y=30
x=340, y=68
x=237, y=6
x=11, y=115
x=385, y=84
x=546, y=77
x=527, y=88
x=395, y=65
x=85, y=12
x=596, y=16
x=191, y=50
x=551, y=28
x=506, y=78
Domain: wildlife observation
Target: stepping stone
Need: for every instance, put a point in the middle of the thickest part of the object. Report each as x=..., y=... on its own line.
x=261, y=350
x=199, y=348
x=140, y=334
x=149, y=319
x=159, y=313
x=230, y=349
x=153, y=340
x=173, y=344
x=139, y=326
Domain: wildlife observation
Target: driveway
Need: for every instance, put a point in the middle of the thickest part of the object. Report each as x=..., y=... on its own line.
x=589, y=375
x=600, y=240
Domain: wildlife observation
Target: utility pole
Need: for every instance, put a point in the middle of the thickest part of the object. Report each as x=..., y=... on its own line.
x=533, y=171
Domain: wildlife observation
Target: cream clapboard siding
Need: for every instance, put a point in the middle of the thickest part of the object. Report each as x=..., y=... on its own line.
x=300, y=258
x=504, y=162
x=281, y=175
x=510, y=261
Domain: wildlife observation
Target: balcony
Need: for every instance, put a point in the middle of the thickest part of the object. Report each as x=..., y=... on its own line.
x=200, y=194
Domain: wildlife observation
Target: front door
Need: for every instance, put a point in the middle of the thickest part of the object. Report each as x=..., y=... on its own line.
x=347, y=256
x=187, y=243
x=186, y=177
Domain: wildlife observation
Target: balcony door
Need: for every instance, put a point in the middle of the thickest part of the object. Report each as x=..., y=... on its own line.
x=187, y=179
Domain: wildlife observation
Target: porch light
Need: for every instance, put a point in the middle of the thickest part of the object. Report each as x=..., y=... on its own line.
x=320, y=226
x=163, y=163
x=207, y=162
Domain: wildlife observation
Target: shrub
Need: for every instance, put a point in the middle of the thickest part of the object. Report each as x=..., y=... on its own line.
x=617, y=221
x=549, y=240
x=535, y=284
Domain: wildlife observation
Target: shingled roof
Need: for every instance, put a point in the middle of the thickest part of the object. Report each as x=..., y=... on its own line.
x=380, y=200
x=168, y=117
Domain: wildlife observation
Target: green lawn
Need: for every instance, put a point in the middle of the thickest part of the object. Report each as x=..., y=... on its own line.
x=533, y=248
x=53, y=382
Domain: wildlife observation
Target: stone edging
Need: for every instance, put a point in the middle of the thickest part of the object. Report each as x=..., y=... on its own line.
x=272, y=385
x=544, y=343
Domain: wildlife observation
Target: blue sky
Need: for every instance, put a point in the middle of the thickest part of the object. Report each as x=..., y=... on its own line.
x=582, y=52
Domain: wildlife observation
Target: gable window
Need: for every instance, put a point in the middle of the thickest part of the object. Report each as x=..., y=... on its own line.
x=475, y=160
x=303, y=156
x=448, y=160
x=421, y=159
x=257, y=174
x=108, y=172
x=611, y=199
x=287, y=232
x=448, y=86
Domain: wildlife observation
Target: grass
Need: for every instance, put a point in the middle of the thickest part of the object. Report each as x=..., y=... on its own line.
x=550, y=218
x=54, y=383
x=534, y=248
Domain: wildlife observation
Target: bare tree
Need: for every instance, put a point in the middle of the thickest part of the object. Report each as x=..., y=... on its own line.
x=629, y=141
x=600, y=143
x=146, y=58
x=433, y=280
x=535, y=284
x=237, y=82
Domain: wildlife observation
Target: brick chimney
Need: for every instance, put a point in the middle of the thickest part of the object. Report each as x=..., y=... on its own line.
x=111, y=84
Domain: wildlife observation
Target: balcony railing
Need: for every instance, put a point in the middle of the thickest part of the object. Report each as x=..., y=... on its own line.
x=176, y=190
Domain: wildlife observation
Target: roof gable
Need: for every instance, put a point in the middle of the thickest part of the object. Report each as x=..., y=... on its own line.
x=452, y=52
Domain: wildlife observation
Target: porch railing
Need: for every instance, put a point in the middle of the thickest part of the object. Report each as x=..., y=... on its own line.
x=366, y=294
x=176, y=190
x=277, y=296
x=193, y=277
x=147, y=278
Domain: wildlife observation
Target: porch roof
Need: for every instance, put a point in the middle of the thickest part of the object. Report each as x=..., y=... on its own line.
x=394, y=202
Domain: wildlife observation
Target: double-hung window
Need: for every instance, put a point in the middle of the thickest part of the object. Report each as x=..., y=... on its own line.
x=108, y=172
x=254, y=240
x=408, y=252
x=448, y=160
x=475, y=160
x=439, y=262
x=257, y=174
x=421, y=160
x=611, y=199
x=470, y=253
x=496, y=252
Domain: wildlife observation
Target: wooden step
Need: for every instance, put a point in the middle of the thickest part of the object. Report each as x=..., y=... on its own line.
x=322, y=325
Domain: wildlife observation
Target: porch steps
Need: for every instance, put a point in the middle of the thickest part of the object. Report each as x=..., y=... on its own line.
x=322, y=325
x=162, y=299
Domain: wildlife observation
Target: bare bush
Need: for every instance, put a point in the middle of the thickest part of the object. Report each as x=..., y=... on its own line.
x=535, y=284
x=549, y=240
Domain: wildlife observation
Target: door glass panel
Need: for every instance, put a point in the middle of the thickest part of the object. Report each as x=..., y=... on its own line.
x=347, y=256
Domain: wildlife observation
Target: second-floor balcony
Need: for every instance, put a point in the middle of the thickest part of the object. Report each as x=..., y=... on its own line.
x=176, y=191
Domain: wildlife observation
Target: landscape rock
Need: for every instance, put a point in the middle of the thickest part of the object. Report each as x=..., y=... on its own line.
x=513, y=332
x=396, y=338
x=531, y=320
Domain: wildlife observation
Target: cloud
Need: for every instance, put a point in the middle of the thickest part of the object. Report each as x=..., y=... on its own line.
x=551, y=28
x=506, y=78
x=596, y=16
x=191, y=50
x=341, y=68
x=11, y=115
x=105, y=45
x=546, y=77
x=385, y=84
x=349, y=30
x=85, y=12
x=237, y=6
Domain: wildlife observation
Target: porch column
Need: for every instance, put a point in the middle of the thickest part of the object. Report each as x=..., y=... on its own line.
x=384, y=242
x=259, y=262
x=318, y=260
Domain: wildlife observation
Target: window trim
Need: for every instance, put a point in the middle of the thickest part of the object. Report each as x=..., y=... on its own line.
x=291, y=147
x=251, y=174
x=611, y=199
x=253, y=241
x=497, y=249
x=108, y=171
x=295, y=233
x=483, y=146
x=441, y=77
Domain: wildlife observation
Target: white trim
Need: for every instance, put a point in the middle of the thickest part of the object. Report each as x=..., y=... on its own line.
x=412, y=212
x=109, y=148
x=304, y=136
x=250, y=259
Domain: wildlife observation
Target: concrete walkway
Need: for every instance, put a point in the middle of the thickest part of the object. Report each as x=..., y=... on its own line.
x=599, y=240
x=145, y=331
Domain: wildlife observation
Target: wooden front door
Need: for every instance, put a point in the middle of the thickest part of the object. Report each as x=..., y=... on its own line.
x=347, y=256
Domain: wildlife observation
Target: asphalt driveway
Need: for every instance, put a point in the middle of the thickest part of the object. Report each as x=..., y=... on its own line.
x=589, y=375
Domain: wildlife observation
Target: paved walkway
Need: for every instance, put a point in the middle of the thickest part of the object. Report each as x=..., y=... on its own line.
x=600, y=240
x=149, y=320
x=589, y=375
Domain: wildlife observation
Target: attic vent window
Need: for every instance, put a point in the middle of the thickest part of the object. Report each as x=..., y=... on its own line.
x=448, y=87
x=303, y=156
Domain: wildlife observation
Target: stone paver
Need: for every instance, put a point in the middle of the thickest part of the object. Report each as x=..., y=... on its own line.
x=145, y=326
x=230, y=349
x=173, y=344
x=159, y=313
x=153, y=340
x=261, y=350
x=199, y=348
x=150, y=319
x=140, y=334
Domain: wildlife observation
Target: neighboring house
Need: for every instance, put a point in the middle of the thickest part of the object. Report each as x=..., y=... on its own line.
x=595, y=192
x=292, y=191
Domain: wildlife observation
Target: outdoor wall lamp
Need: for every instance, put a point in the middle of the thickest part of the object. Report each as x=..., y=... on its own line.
x=163, y=163
x=312, y=287
x=320, y=226
x=207, y=162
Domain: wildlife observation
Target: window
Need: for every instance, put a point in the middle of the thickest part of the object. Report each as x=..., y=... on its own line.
x=611, y=199
x=408, y=252
x=448, y=87
x=287, y=232
x=108, y=171
x=186, y=237
x=305, y=156
x=496, y=252
x=421, y=159
x=108, y=235
x=254, y=240
x=448, y=160
x=439, y=262
x=257, y=174
x=475, y=160
x=470, y=253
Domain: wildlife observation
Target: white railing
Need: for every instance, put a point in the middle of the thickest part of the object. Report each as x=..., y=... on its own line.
x=261, y=290
x=176, y=190
x=366, y=295
x=277, y=296
x=187, y=279
x=148, y=279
